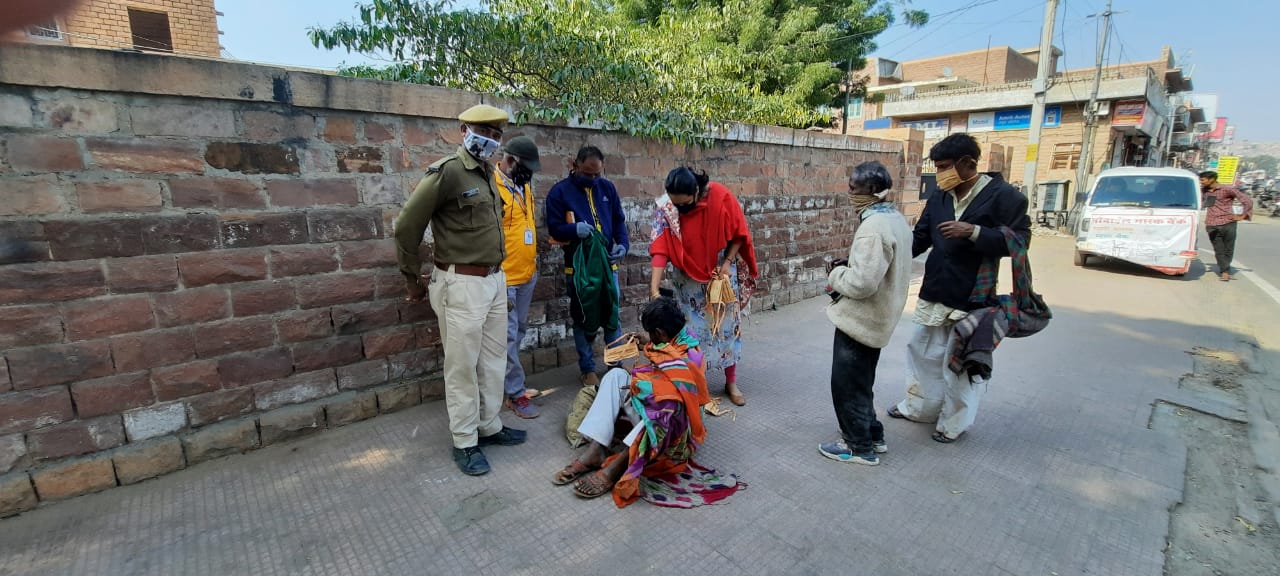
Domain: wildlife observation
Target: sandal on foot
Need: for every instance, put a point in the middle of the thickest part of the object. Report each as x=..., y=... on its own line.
x=736, y=397
x=894, y=413
x=593, y=485
x=943, y=438
x=571, y=472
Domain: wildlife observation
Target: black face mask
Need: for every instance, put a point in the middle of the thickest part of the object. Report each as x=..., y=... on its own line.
x=521, y=175
x=686, y=208
x=583, y=181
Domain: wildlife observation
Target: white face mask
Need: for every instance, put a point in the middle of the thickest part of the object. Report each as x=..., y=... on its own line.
x=479, y=146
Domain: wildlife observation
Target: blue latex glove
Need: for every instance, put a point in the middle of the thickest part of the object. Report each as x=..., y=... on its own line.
x=584, y=230
x=617, y=253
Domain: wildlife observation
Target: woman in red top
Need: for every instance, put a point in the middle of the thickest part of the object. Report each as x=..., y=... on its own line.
x=701, y=231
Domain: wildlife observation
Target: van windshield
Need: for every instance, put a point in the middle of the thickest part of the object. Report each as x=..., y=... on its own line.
x=1145, y=192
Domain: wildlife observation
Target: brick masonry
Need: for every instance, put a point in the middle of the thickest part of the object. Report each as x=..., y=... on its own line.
x=193, y=25
x=185, y=261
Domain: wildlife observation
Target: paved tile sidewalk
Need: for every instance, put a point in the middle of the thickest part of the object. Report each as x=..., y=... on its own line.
x=1060, y=475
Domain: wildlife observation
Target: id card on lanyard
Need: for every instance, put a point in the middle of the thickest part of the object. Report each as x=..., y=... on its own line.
x=521, y=198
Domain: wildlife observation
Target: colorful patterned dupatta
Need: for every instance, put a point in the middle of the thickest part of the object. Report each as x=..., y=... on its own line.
x=669, y=398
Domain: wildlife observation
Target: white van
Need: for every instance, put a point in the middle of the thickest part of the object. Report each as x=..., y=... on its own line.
x=1147, y=216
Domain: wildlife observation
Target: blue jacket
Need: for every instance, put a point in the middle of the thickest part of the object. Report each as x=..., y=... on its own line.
x=565, y=197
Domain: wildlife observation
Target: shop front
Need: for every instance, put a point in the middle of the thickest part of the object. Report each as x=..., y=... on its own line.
x=1135, y=125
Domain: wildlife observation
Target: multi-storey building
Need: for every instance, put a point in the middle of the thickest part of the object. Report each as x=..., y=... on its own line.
x=988, y=93
x=188, y=27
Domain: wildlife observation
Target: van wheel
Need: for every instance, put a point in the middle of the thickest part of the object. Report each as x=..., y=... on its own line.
x=1081, y=259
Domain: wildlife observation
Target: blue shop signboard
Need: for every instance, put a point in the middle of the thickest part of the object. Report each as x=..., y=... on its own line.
x=877, y=124
x=1020, y=118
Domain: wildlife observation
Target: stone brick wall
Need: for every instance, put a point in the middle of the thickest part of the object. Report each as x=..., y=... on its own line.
x=195, y=256
x=193, y=25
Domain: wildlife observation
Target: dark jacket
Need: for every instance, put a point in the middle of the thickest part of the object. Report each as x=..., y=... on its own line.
x=952, y=267
x=565, y=197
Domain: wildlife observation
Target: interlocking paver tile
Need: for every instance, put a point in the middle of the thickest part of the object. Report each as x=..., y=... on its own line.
x=1053, y=478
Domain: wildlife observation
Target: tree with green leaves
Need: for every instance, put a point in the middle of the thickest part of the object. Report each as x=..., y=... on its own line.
x=662, y=69
x=1269, y=163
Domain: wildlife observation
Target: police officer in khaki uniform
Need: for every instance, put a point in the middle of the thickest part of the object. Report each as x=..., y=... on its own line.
x=467, y=287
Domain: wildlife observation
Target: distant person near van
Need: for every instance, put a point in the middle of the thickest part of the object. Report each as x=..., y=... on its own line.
x=1221, y=216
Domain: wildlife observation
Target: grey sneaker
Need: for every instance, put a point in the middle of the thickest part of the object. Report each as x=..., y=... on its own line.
x=522, y=407
x=840, y=452
x=505, y=437
x=880, y=446
x=471, y=461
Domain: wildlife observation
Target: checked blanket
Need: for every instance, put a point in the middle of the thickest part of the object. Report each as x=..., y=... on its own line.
x=1015, y=315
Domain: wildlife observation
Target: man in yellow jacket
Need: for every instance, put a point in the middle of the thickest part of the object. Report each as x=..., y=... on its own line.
x=514, y=173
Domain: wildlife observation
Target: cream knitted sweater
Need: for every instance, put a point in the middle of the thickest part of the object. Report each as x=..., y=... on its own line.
x=874, y=284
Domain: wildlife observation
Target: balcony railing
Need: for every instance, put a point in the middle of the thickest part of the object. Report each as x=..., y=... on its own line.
x=1070, y=78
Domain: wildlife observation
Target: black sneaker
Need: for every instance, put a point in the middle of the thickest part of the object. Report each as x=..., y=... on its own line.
x=840, y=452
x=505, y=437
x=471, y=461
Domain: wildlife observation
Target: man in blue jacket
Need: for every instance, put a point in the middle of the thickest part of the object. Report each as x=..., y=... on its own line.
x=584, y=201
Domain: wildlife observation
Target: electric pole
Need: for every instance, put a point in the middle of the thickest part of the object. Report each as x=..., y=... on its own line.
x=1040, y=86
x=848, y=90
x=1091, y=112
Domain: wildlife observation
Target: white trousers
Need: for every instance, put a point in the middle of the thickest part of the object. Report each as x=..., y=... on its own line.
x=613, y=397
x=473, y=325
x=934, y=392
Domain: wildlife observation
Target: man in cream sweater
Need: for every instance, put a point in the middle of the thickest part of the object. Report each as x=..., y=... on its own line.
x=869, y=292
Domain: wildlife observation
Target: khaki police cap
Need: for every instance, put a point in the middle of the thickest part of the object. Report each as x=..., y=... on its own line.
x=485, y=114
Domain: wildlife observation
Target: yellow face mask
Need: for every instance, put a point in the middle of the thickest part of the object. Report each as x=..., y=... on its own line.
x=948, y=179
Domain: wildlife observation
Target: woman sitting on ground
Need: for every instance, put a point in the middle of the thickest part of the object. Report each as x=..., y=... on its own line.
x=663, y=402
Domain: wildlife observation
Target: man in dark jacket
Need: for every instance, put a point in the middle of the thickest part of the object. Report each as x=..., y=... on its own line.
x=584, y=201
x=962, y=226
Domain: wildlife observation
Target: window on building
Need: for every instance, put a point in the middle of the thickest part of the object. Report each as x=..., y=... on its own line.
x=150, y=30
x=45, y=30
x=889, y=69
x=1066, y=156
x=855, y=107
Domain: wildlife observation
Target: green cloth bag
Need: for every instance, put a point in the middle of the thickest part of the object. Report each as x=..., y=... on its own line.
x=593, y=281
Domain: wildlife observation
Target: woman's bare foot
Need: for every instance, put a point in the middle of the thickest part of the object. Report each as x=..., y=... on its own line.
x=615, y=469
x=594, y=455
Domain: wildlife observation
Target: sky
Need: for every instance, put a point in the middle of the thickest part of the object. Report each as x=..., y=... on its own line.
x=1225, y=50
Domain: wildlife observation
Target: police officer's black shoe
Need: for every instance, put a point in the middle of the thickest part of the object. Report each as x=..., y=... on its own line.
x=505, y=437
x=471, y=461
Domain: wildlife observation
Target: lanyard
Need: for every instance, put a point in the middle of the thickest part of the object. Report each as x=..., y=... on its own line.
x=521, y=197
x=591, y=201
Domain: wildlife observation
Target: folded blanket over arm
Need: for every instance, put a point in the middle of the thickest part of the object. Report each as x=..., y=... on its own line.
x=1015, y=315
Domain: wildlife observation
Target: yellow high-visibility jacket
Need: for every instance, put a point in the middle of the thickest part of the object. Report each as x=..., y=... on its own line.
x=520, y=230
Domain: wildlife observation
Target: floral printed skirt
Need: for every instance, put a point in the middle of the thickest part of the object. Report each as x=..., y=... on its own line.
x=723, y=349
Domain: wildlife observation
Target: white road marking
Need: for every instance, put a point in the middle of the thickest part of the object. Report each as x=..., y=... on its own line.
x=1245, y=270
x=1259, y=281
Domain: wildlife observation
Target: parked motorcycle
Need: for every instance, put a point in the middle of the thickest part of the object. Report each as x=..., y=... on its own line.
x=1265, y=199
